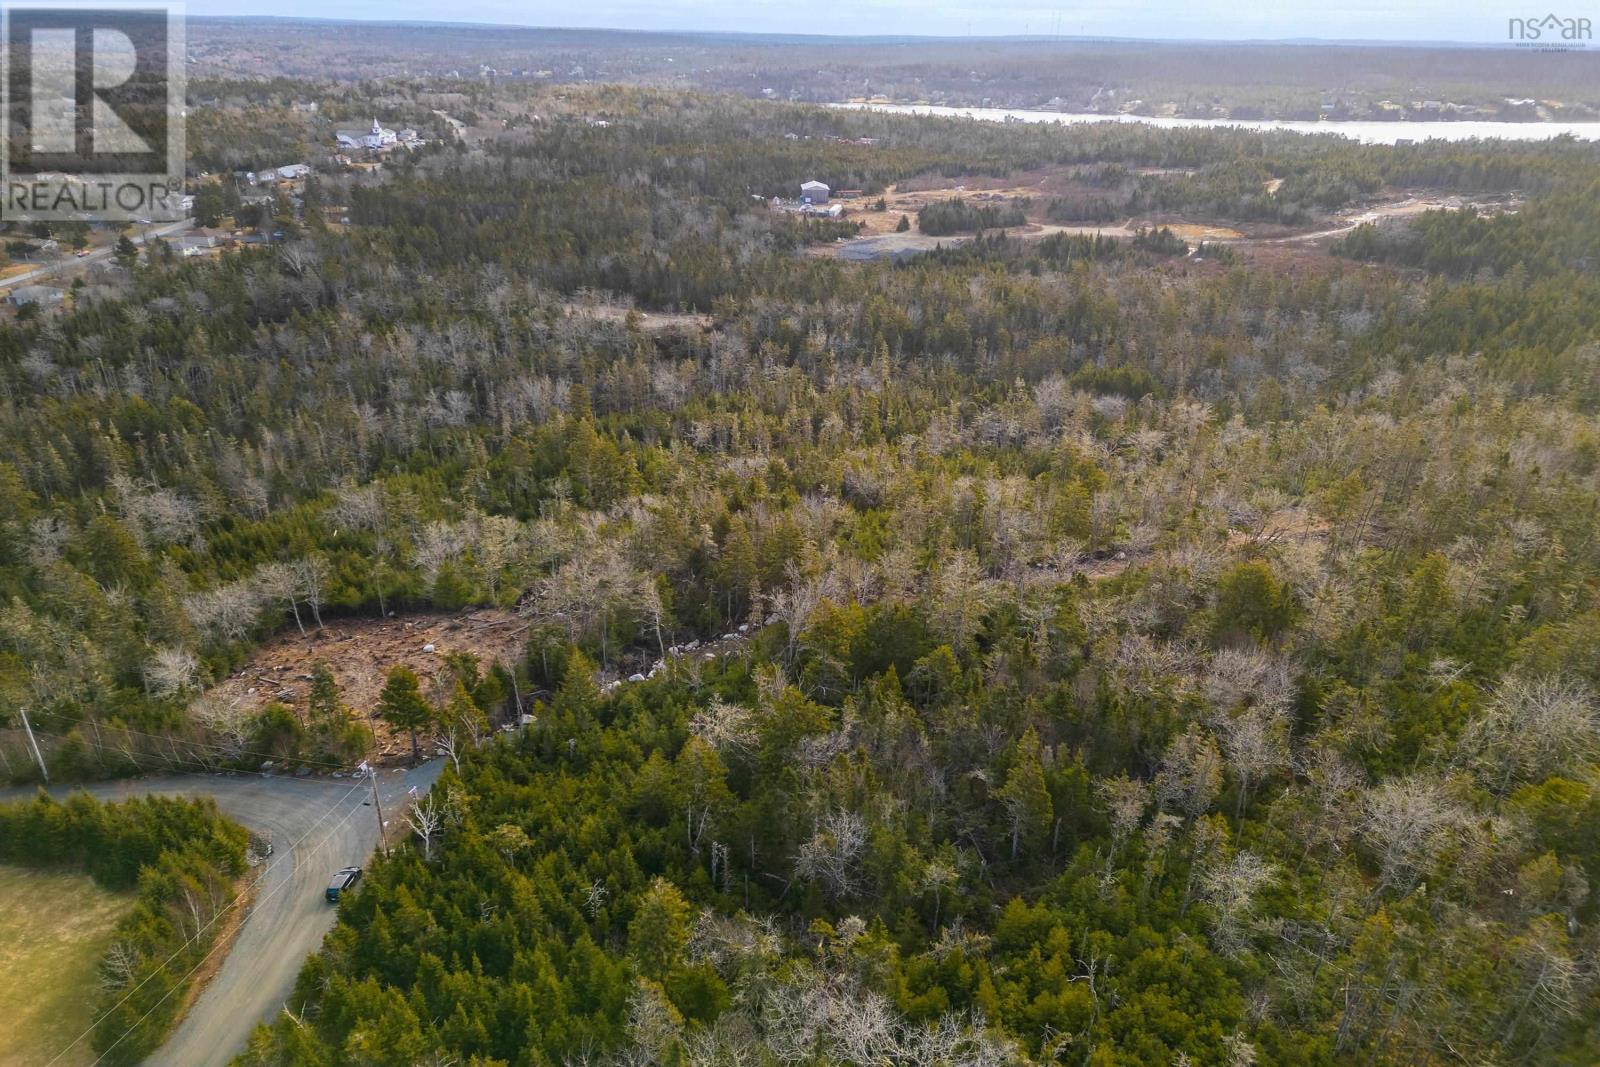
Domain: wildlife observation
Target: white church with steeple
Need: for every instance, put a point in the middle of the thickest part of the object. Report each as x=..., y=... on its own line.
x=378, y=137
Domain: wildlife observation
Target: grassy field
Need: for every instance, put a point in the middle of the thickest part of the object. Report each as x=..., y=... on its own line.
x=53, y=930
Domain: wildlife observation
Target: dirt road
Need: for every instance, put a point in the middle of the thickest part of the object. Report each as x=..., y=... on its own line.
x=880, y=241
x=317, y=826
x=899, y=245
x=1409, y=206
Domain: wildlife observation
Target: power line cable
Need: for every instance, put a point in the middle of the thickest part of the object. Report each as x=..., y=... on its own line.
x=231, y=905
x=224, y=750
x=187, y=975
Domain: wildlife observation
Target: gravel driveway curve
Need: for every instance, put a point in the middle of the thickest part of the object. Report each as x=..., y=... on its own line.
x=316, y=826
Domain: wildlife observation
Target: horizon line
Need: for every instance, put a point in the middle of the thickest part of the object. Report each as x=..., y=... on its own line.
x=879, y=38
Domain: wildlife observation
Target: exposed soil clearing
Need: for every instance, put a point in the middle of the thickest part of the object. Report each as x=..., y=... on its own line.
x=648, y=321
x=360, y=653
x=879, y=237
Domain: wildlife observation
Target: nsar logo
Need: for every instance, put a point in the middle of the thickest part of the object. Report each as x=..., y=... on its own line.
x=1551, y=29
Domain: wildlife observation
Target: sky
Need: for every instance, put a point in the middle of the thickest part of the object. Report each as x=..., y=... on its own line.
x=1478, y=21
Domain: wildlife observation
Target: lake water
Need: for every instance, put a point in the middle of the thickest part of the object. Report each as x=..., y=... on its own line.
x=1365, y=132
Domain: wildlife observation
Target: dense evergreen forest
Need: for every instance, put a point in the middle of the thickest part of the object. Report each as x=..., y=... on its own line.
x=958, y=216
x=1153, y=659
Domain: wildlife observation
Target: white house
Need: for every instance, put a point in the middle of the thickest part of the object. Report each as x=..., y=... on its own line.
x=36, y=294
x=378, y=137
x=813, y=193
x=294, y=172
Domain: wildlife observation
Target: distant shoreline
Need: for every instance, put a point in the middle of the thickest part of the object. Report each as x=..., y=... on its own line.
x=1365, y=131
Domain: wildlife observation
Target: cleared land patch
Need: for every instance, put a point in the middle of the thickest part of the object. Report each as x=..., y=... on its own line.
x=649, y=321
x=54, y=928
x=880, y=238
x=360, y=653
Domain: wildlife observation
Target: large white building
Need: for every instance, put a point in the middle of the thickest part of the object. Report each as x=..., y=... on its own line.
x=814, y=193
x=378, y=137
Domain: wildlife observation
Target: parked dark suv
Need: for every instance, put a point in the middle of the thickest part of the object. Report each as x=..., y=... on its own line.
x=345, y=879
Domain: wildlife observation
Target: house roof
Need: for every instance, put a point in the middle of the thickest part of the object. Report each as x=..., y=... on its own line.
x=37, y=292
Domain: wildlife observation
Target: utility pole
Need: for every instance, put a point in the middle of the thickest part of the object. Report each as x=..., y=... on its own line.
x=27, y=726
x=372, y=773
x=378, y=807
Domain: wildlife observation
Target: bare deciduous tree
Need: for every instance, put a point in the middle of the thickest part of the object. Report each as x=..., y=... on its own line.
x=437, y=544
x=1406, y=822
x=1230, y=887
x=725, y=727
x=426, y=817
x=495, y=544
x=1533, y=728
x=831, y=857
x=119, y=965
x=228, y=612
x=960, y=598
x=228, y=721
x=1256, y=744
x=798, y=601
x=937, y=877
x=171, y=671
x=1191, y=773
x=279, y=583
x=1550, y=980
x=312, y=575
x=1125, y=800
x=1248, y=677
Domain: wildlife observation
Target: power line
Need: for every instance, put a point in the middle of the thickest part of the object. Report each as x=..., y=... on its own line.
x=223, y=750
x=63, y=788
x=26, y=726
x=176, y=985
x=231, y=905
x=60, y=788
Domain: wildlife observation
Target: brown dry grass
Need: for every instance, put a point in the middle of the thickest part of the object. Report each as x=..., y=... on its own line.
x=1192, y=232
x=54, y=928
x=909, y=198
